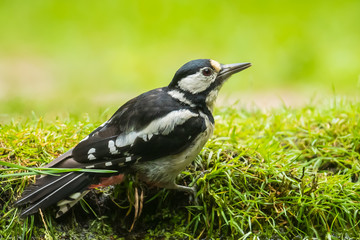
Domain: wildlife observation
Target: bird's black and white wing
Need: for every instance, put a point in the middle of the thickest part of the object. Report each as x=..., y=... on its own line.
x=146, y=128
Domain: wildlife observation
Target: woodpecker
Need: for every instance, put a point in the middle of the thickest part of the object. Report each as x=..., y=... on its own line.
x=153, y=137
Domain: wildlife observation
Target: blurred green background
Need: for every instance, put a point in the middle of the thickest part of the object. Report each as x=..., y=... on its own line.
x=82, y=56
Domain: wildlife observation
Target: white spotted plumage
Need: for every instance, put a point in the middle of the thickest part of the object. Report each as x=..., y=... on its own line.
x=112, y=147
x=91, y=156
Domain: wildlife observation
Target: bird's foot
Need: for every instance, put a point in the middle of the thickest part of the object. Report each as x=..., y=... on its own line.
x=193, y=191
x=193, y=197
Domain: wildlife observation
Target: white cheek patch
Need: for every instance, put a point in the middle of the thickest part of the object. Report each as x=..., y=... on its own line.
x=164, y=126
x=196, y=83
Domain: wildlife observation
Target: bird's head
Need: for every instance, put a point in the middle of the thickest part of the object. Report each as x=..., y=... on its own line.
x=200, y=80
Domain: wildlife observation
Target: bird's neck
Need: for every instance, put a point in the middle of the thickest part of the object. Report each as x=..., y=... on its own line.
x=211, y=98
x=201, y=102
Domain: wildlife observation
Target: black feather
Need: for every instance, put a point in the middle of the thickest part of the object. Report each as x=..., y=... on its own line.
x=49, y=190
x=166, y=145
x=135, y=115
x=189, y=68
x=44, y=185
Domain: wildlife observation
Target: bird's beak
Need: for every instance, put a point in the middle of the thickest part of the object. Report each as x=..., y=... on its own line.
x=229, y=69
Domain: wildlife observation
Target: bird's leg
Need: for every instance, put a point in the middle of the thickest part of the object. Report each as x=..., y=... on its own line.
x=191, y=190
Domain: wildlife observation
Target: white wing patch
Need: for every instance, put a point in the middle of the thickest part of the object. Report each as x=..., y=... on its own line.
x=90, y=154
x=91, y=150
x=112, y=147
x=164, y=126
x=126, y=139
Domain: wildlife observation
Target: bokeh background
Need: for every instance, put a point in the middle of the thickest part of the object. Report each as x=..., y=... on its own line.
x=85, y=56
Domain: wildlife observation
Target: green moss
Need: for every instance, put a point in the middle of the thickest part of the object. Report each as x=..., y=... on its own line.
x=284, y=173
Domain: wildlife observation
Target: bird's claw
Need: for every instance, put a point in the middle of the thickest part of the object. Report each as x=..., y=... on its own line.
x=193, y=195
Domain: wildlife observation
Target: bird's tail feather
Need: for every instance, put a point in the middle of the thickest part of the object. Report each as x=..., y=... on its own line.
x=65, y=204
x=49, y=190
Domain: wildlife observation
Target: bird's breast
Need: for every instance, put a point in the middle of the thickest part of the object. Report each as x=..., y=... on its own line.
x=166, y=169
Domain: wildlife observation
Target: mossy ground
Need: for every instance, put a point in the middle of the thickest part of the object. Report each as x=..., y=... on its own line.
x=282, y=174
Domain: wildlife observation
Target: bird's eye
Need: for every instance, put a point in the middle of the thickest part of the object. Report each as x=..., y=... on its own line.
x=206, y=72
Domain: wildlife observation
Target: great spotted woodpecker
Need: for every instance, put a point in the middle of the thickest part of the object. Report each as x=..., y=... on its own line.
x=153, y=137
